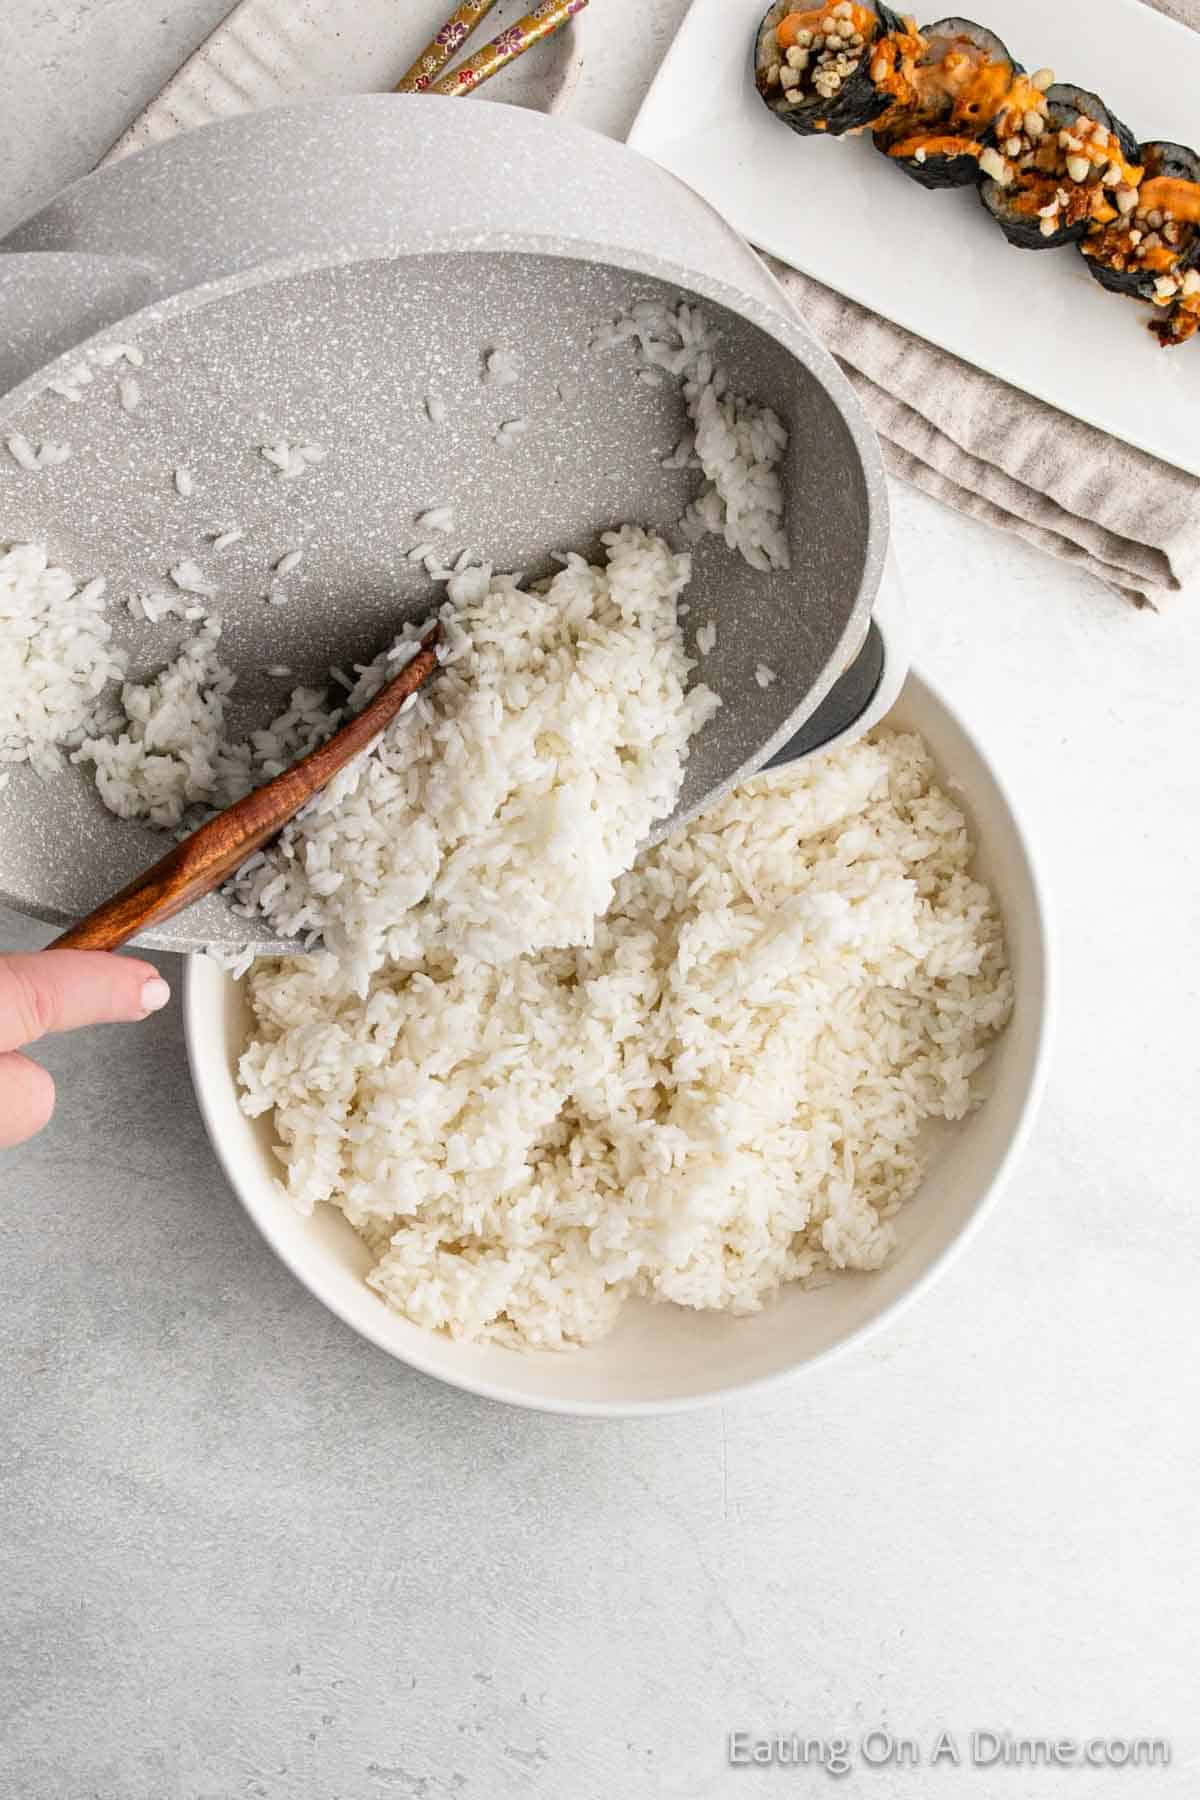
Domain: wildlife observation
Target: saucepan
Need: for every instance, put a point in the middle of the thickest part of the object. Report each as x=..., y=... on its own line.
x=318, y=272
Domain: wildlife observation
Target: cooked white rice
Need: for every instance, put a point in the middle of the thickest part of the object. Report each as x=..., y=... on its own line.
x=722, y=1092
x=765, y=675
x=493, y=819
x=737, y=444
x=129, y=393
x=501, y=368
x=435, y=518
x=468, y=583
x=33, y=457
x=185, y=482
x=168, y=757
x=111, y=354
x=56, y=658
x=683, y=456
x=166, y=753
x=71, y=385
x=155, y=607
x=190, y=578
x=289, y=460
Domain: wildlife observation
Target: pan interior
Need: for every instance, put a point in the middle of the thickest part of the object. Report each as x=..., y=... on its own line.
x=345, y=357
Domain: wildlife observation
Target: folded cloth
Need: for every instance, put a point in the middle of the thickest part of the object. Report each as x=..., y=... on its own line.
x=990, y=450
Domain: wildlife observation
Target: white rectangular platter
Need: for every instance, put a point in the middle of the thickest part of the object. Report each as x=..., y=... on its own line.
x=934, y=262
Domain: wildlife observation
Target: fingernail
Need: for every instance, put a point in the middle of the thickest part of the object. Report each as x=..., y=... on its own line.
x=155, y=994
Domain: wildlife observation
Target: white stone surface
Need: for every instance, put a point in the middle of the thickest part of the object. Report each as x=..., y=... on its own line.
x=243, y=1554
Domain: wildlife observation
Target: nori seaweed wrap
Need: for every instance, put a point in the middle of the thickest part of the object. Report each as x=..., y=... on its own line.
x=1148, y=250
x=832, y=68
x=1077, y=173
x=961, y=83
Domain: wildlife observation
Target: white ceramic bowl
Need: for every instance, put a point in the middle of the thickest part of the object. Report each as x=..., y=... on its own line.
x=662, y=1358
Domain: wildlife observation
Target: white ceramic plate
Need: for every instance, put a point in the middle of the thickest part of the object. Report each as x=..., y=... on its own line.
x=663, y=1358
x=935, y=263
x=268, y=52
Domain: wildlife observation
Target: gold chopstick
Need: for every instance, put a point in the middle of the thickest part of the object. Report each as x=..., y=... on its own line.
x=451, y=37
x=541, y=23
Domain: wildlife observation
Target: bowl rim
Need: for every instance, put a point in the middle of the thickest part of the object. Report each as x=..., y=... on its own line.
x=204, y=1067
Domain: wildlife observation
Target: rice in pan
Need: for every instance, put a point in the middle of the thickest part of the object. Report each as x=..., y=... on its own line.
x=56, y=658
x=494, y=818
x=164, y=756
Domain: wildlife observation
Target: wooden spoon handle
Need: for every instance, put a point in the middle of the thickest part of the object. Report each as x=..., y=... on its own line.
x=201, y=862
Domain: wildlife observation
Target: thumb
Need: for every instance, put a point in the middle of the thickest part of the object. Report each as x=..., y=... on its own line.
x=57, y=990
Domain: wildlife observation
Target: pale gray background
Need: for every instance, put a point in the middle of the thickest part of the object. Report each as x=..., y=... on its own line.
x=244, y=1555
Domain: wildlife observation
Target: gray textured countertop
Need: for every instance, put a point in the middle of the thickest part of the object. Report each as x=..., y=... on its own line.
x=242, y=1554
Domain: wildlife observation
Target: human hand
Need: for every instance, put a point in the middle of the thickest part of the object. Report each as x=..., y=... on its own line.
x=58, y=990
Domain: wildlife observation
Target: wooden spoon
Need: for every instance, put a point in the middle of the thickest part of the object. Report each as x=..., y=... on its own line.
x=204, y=860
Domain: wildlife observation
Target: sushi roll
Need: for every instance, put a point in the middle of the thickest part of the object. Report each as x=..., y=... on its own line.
x=831, y=68
x=1182, y=322
x=1148, y=249
x=962, y=81
x=1082, y=168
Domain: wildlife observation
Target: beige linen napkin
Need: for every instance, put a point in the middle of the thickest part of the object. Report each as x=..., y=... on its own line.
x=994, y=452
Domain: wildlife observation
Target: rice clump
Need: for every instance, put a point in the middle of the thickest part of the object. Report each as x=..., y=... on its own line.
x=495, y=816
x=55, y=658
x=164, y=756
x=717, y=1089
x=737, y=444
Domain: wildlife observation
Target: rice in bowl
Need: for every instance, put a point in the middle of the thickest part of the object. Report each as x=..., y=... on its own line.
x=724, y=1091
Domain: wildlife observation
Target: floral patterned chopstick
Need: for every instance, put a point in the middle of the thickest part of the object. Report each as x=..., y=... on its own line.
x=541, y=23
x=435, y=56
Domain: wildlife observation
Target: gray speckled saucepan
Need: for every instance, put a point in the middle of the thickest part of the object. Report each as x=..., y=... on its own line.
x=313, y=273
